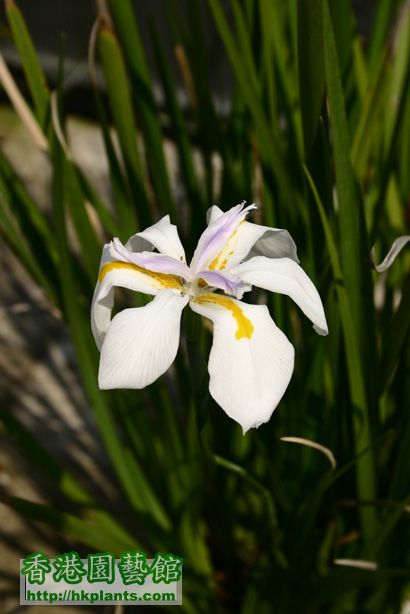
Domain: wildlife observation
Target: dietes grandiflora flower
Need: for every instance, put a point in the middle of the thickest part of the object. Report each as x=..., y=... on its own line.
x=251, y=360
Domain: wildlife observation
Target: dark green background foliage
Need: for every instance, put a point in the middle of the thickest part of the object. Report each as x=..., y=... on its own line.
x=318, y=134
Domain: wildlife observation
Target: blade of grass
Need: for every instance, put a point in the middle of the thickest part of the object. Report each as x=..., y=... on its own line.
x=119, y=97
x=121, y=192
x=21, y=107
x=389, y=523
x=179, y=129
x=195, y=74
x=366, y=479
x=243, y=34
x=33, y=450
x=63, y=480
x=86, y=233
x=28, y=207
x=270, y=150
x=311, y=68
x=89, y=193
x=126, y=26
x=384, y=12
x=354, y=248
x=127, y=470
x=366, y=133
x=25, y=249
x=30, y=62
x=353, y=243
x=400, y=482
x=70, y=526
x=395, y=336
x=267, y=19
x=341, y=14
x=400, y=70
x=360, y=69
x=32, y=223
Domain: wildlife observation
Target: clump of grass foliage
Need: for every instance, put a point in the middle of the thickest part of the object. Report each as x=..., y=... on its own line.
x=317, y=132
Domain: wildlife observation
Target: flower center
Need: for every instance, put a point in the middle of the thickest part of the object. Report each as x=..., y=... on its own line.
x=195, y=287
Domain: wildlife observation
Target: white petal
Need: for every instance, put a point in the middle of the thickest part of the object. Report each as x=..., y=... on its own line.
x=216, y=236
x=125, y=275
x=153, y=261
x=271, y=242
x=103, y=299
x=251, y=360
x=230, y=284
x=285, y=276
x=250, y=240
x=137, y=244
x=397, y=245
x=141, y=343
x=163, y=236
x=213, y=213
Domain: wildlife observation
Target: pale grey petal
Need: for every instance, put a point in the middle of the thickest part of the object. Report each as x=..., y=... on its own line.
x=394, y=251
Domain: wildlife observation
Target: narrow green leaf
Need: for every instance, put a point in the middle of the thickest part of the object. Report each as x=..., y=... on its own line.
x=29, y=59
x=267, y=19
x=399, y=485
x=354, y=247
x=88, y=533
x=22, y=237
x=360, y=69
x=126, y=26
x=395, y=336
x=121, y=192
x=119, y=96
x=270, y=150
x=43, y=459
x=275, y=18
x=367, y=130
x=389, y=524
x=342, y=23
x=89, y=193
x=246, y=49
x=179, y=130
x=403, y=146
x=384, y=13
x=400, y=75
x=90, y=248
x=366, y=479
x=348, y=196
x=63, y=480
x=28, y=207
x=128, y=472
x=311, y=67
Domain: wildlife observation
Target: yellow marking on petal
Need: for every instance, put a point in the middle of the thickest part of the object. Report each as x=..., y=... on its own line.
x=214, y=263
x=163, y=279
x=221, y=260
x=202, y=283
x=245, y=327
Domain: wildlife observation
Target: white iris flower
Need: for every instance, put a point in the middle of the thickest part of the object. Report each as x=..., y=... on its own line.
x=251, y=360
